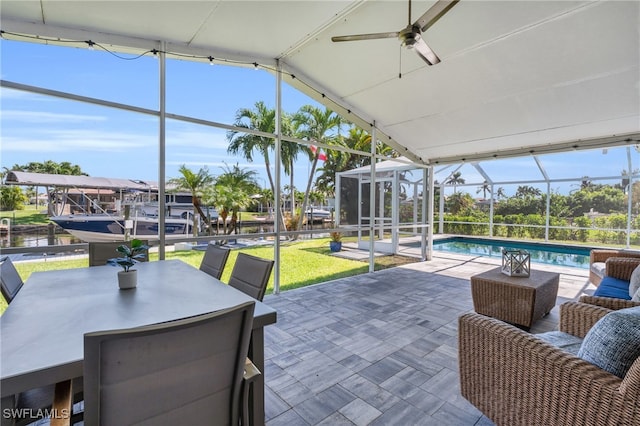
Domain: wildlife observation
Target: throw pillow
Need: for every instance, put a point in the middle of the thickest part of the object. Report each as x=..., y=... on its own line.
x=634, y=281
x=613, y=343
x=636, y=297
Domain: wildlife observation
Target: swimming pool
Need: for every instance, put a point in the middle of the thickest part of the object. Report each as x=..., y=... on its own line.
x=552, y=254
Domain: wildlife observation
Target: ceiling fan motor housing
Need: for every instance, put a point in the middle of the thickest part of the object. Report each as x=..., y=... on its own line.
x=410, y=36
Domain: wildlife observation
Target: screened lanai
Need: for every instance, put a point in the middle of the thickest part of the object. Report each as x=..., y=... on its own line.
x=399, y=221
x=514, y=78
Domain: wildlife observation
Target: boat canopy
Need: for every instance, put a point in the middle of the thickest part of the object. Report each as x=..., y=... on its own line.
x=71, y=181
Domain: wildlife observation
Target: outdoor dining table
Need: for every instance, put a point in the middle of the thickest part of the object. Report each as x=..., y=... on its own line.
x=43, y=329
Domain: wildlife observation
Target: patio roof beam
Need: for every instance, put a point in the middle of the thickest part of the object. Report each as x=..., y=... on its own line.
x=574, y=179
x=542, y=170
x=632, y=138
x=452, y=173
x=482, y=172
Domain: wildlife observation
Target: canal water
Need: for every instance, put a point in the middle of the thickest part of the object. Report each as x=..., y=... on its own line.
x=39, y=236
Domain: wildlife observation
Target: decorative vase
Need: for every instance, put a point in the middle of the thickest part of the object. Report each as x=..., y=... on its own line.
x=335, y=246
x=127, y=280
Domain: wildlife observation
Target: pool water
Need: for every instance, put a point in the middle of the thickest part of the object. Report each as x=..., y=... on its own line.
x=552, y=254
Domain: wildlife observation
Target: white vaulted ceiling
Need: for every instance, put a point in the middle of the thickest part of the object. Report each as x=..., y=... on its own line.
x=516, y=76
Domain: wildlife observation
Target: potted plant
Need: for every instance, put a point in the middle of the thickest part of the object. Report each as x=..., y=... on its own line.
x=128, y=278
x=336, y=242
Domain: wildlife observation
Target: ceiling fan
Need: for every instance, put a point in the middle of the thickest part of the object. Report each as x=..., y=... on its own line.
x=411, y=35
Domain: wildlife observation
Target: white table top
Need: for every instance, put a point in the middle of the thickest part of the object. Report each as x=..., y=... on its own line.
x=43, y=329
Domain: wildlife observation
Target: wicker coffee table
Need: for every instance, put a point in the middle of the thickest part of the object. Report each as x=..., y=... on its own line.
x=516, y=300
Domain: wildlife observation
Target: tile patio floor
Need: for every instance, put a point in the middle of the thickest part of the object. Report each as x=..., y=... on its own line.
x=380, y=348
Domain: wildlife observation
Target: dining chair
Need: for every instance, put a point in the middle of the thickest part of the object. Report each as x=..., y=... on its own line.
x=101, y=252
x=250, y=275
x=34, y=400
x=10, y=281
x=214, y=260
x=188, y=371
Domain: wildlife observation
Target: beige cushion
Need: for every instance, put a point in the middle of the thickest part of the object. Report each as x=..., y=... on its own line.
x=634, y=282
x=636, y=296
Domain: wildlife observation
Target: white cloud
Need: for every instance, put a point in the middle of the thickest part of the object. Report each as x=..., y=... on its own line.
x=206, y=140
x=42, y=117
x=10, y=94
x=77, y=140
x=213, y=164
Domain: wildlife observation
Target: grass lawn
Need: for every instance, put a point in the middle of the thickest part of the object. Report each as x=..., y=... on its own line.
x=28, y=216
x=302, y=263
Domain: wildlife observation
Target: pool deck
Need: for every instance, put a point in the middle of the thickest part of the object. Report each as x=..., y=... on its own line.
x=381, y=348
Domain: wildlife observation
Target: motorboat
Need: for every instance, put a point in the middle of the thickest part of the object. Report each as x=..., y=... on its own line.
x=106, y=227
x=318, y=214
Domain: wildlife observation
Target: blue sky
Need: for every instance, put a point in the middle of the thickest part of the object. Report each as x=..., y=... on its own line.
x=113, y=143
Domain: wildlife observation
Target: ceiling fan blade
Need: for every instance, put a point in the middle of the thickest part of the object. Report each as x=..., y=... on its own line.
x=434, y=13
x=425, y=52
x=357, y=37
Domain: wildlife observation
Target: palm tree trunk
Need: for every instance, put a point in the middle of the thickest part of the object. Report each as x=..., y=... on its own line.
x=307, y=191
x=273, y=190
x=293, y=191
x=196, y=205
x=232, y=222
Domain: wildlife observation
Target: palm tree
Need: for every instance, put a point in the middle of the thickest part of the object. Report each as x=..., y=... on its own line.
x=51, y=167
x=317, y=197
x=232, y=193
x=196, y=184
x=525, y=191
x=263, y=119
x=317, y=126
x=455, y=179
x=483, y=188
x=267, y=195
x=289, y=154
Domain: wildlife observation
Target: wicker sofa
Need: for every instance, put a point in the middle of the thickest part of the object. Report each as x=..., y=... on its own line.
x=598, y=259
x=516, y=378
x=617, y=277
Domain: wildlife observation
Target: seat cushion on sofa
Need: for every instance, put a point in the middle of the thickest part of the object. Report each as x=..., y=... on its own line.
x=599, y=268
x=565, y=341
x=613, y=343
x=613, y=287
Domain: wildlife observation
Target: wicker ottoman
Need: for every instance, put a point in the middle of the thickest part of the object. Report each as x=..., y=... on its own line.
x=516, y=300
